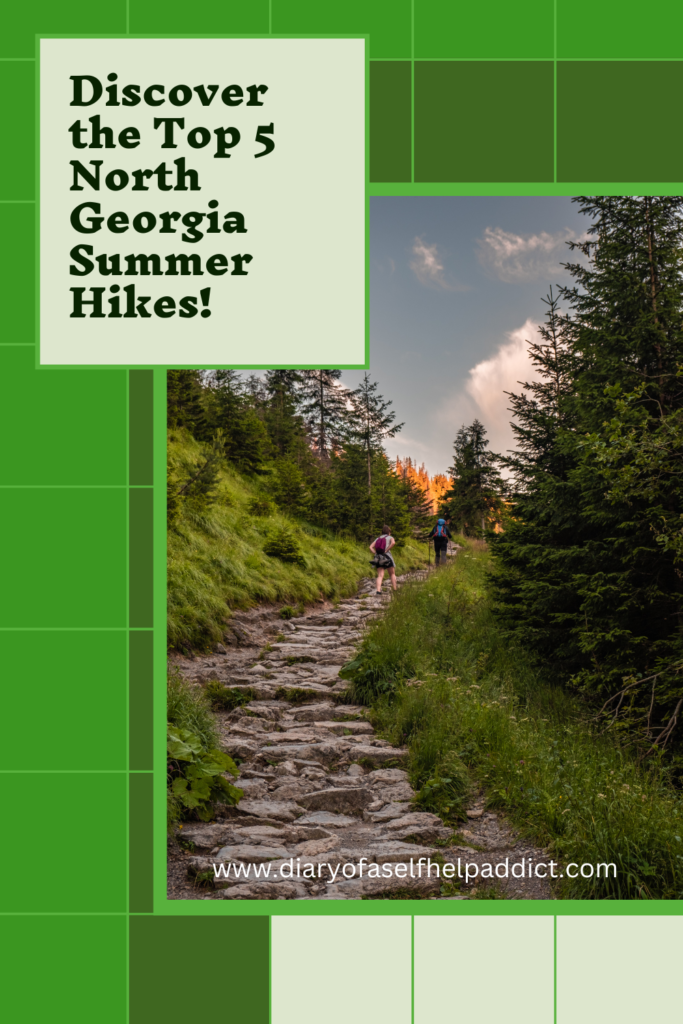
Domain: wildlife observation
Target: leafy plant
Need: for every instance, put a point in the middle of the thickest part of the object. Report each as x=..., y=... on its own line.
x=196, y=775
x=447, y=792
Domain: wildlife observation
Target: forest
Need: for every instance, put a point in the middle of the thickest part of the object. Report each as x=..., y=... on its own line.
x=317, y=448
x=584, y=518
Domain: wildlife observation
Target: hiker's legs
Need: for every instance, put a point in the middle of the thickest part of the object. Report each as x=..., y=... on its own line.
x=392, y=574
x=440, y=545
x=380, y=577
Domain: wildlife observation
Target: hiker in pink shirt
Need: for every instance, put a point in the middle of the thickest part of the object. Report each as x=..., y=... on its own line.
x=383, y=560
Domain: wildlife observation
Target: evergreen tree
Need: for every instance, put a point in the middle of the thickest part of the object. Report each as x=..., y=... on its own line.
x=324, y=404
x=584, y=578
x=285, y=426
x=184, y=401
x=473, y=500
x=373, y=421
x=289, y=488
x=246, y=438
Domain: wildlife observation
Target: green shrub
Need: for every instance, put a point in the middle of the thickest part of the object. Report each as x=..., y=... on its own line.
x=187, y=707
x=448, y=788
x=450, y=685
x=283, y=544
x=195, y=765
x=216, y=562
x=287, y=612
x=260, y=506
x=195, y=774
x=226, y=698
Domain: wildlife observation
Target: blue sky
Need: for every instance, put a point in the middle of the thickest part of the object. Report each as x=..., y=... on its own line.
x=455, y=289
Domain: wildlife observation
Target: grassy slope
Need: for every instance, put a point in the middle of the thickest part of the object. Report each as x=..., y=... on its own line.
x=483, y=701
x=216, y=560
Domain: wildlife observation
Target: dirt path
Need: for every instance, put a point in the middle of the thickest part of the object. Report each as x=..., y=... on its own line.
x=327, y=811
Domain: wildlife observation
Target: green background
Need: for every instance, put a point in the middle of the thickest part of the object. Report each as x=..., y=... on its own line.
x=464, y=99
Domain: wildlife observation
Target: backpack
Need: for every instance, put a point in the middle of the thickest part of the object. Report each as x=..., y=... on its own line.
x=441, y=528
x=381, y=560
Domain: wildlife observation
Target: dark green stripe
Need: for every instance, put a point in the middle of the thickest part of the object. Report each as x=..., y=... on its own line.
x=140, y=845
x=140, y=702
x=390, y=121
x=484, y=121
x=140, y=426
x=140, y=558
x=177, y=967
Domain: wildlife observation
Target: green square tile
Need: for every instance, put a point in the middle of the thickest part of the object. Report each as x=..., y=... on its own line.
x=75, y=679
x=390, y=117
x=69, y=851
x=609, y=29
x=478, y=121
x=157, y=944
x=17, y=283
x=497, y=29
x=21, y=22
x=625, y=95
x=17, y=175
x=64, y=969
x=71, y=423
x=64, y=558
x=386, y=21
x=210, y=16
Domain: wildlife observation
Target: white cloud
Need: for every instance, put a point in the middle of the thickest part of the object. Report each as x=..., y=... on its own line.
x=522, y=258
x=483, y=395
x=503, y=372
x=428, y=267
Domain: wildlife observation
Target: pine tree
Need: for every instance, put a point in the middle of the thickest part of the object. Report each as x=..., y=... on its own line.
x=285, y=425
x=373, y=421
x=246, y=438
x=473, y=501
x=324, y=404
x=184, y=401
x=584, y=577
x=289, y=488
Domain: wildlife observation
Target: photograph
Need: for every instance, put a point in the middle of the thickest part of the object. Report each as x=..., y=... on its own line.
x=424, y=619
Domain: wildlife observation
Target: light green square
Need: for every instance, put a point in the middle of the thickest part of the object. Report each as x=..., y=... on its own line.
x=21, y=22
x=64, y=969
x=73, y=423
x=378, y=947
x=17, y=283
x=621, y=969
x=77, y=680
x=496, y=30
x=612, y=29
x=17, y=174
x=386, y=21
x=65, y=842
x=64, y=560
x=474, y=950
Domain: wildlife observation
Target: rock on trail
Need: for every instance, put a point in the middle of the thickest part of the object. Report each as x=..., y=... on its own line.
x=327, y=810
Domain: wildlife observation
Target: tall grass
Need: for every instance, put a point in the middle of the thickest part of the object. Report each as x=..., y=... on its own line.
x=444, y=679
x=216, y=560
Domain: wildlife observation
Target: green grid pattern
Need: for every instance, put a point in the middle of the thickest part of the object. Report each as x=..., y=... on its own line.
x=562, y=85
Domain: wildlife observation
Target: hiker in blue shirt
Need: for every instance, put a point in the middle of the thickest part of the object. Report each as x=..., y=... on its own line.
x=441, y=536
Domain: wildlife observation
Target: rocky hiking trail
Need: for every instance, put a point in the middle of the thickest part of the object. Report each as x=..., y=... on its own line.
x=322, y=792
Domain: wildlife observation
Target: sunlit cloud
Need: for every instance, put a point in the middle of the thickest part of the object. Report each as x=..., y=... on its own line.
x=483, y=394
x=427, y=265
x=520, y=259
